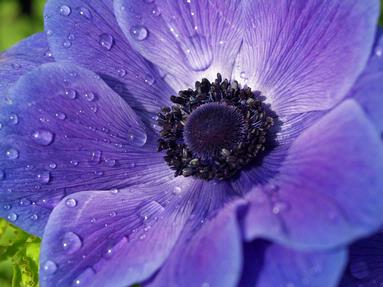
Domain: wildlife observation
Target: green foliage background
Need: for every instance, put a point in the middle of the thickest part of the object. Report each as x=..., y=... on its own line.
x=19, y=251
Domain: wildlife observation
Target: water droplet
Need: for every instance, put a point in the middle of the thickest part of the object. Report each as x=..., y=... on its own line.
x=195, y=46
x=13, y=119
x=49, y=33
x=12, y=217
x=44, y=177
x=74, y=162
x=112, y=214
x=156, y=11
x=52, y=165
x=150, y=209
x=177, y=190
x=12, y=153
x=243, y=75
x=49, y=267
x=149, y=79
x=71, y=202
x=137, y=140
x=359, y=269
x=71, y=242
x=48, y=54
x=115, y=191
x=85, y=278
x=85, y=12
x=67, y=44
x=139, y=32
x=121, y=72
x=65, y=10
x=280, y=206
x=34, y=217
x=106, y=41
x=96, y=157
x=70, y=94
x=71, y=37
x=379, y=52
x=7, y=206
x=16, y=66
x=61, y=116
x=25, y=202
x=111, y=162
x=43, y=137
x=90, y=96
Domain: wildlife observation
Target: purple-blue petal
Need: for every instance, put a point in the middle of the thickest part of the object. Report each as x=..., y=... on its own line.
x=87, y=34
x=188, y=40
x=305, y=55
x=365, y=266
x=63, y=131
x=329, y=188
x=368, y=89
x=268, y=264
x=22, y=58
x=109, y=238
x=209, y=252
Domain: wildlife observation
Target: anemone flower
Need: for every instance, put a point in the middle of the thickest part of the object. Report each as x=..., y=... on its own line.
x=195, y=143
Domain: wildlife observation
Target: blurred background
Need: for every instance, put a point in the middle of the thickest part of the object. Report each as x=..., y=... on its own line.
x=19, y=251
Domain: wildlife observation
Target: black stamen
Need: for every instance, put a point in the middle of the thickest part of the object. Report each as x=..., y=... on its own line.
x=214, y=131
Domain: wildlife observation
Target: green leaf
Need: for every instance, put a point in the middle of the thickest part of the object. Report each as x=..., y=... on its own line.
x=19, y=257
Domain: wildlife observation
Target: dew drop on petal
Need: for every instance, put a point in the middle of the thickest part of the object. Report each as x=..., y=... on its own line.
x=112, y=214
x=280, y=206
x=85, y=278
x=12, y=153
x=13, y=119
x=7, y=206
x=25, y=202
x=65, y=10
x=34, y=217
x=106, y=41
x=85, y=12
x=67, y=44
x=43, y=137
x=70, y=94
x=90, y=96
x=177, y=190
x=60, y=115
x=71, y=202
x=44, y=177
x=149, y=79
x=150, y=209
x=12, y=217
x=71, y=242
x=49, y=267
x=114, y=191
x=139, y=32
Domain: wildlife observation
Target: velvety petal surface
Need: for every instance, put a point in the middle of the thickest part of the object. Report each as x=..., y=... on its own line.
x=365, y=266
x=188, y=40
x=209, y=251
x=22, y=58
x=64, y=130
x=268, y=264
x=124, y=238
x=328, y=191
x=305, y=55
x=368, y=89
x=86, y=33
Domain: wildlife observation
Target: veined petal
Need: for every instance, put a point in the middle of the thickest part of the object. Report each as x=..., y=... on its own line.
x=64, y=130
x=188, y=40
x=305, y=55
x=328, y=191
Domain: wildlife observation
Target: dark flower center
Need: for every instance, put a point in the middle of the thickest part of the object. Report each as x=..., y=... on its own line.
x=216, y=130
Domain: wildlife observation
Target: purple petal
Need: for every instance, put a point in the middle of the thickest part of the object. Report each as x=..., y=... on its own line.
x=365, y=266
x=209, y=250
x=120, y=238
x=63, y=131
x=22, y=58
x=368, y=89
x=88, y=34
x=306, y=55
x=188, y=40
x=273, y=265
x=329, y=188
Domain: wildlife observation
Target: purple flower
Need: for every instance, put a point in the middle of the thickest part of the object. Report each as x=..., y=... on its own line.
x=262, y=187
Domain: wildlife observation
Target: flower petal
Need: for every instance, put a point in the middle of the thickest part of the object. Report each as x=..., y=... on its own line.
x=209, y=250
x=305, y=55
x=87, y=34
x=329, y=188
x=274, y=265
x=368, y=89
x=22, y=58
x=365, y=266
x=188, y=40
x=118, y=238
x=64, y=130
